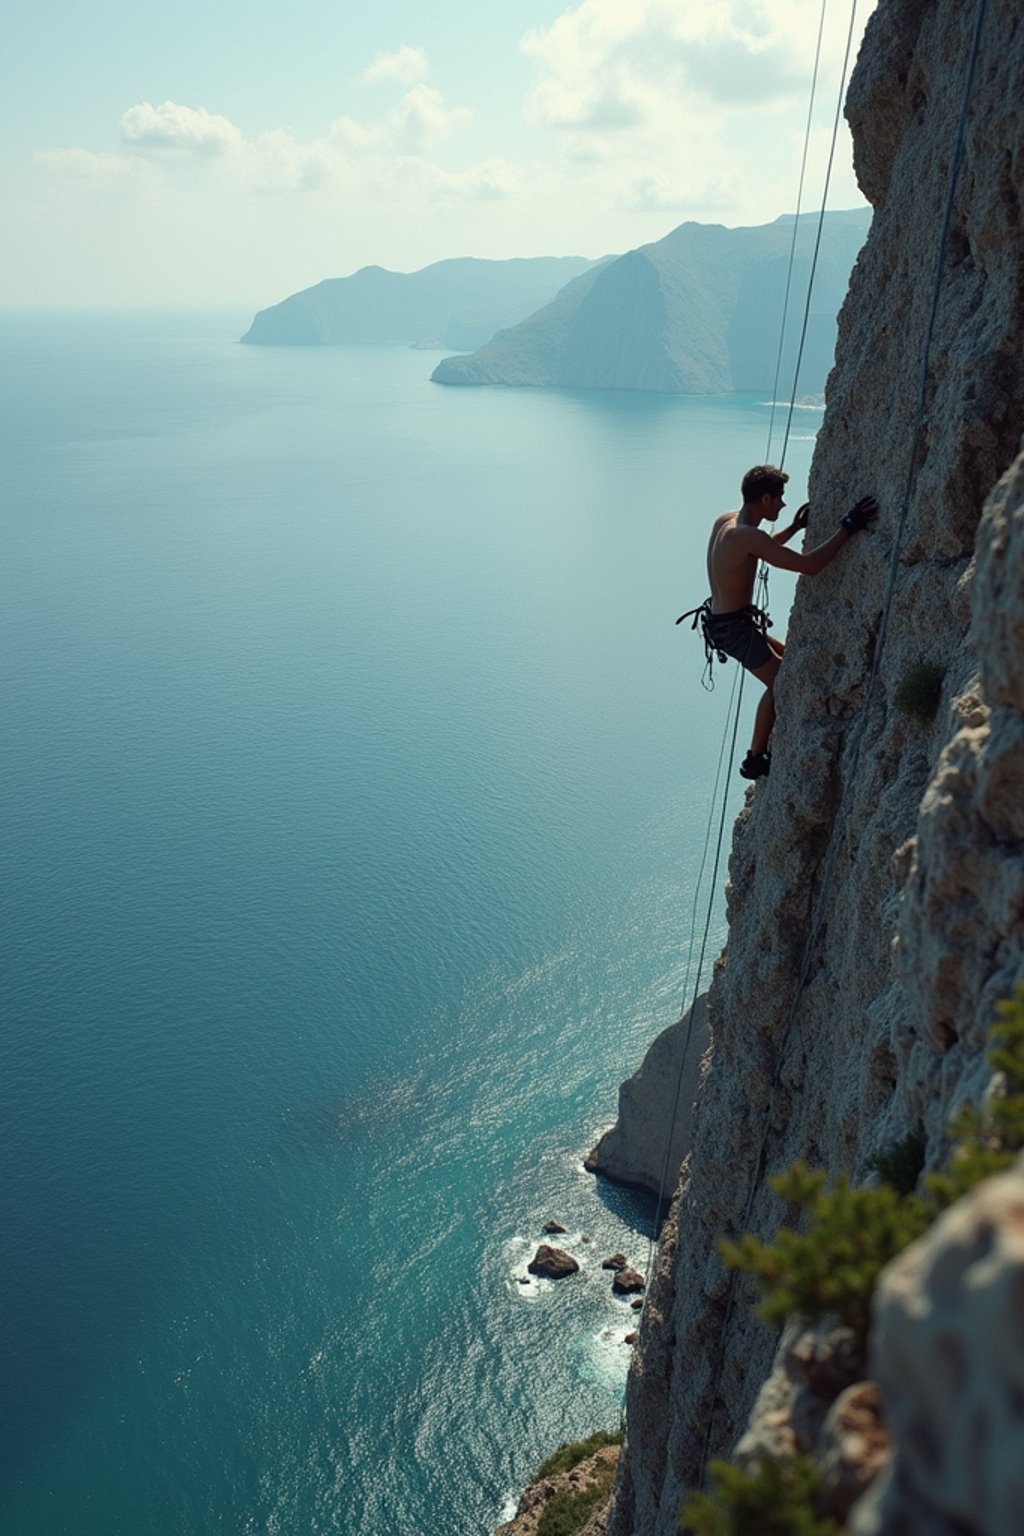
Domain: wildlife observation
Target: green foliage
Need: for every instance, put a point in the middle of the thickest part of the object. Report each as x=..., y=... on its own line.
x=920, y=691
x=988, y=1142
x=570, y=1455
x=776, y=1499
x=900, y=1166
x=831, y=1267
x=569, y=1510
x=850, y=1234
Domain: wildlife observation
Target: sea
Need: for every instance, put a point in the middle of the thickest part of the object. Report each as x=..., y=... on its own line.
x=354, y=790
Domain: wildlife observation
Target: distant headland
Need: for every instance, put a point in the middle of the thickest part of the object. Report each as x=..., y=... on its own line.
x=696, y=312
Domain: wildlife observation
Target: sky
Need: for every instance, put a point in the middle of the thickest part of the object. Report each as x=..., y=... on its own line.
x=215, y=153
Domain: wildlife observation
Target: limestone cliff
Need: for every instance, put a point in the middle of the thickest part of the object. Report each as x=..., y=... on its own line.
x=922, y=925
x=659, y=1095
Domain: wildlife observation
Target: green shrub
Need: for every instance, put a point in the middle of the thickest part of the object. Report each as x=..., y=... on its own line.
x=831, y=1267
x=901, y=1165
x=569, y=1510
x=988, y=1142
x=776, y=1499
x=920, y=691
x=570, y=1455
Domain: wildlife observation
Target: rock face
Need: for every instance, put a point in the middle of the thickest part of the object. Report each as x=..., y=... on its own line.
x=695, y=313
x=552, y=1263
x=918, y=826
x=633, y=1151
x=449, y=304
x=948, y=1352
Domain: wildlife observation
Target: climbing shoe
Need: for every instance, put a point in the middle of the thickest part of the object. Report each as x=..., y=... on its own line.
x=755, y=765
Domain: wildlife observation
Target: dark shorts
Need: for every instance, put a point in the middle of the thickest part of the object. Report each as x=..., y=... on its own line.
x=740, y=635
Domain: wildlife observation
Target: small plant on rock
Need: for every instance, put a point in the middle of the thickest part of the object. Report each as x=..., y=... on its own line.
x=830, y=1268
x=920, y=691
x=568, y=1510
x=570, y=1455
x=901, y=1165
x=775, y=1499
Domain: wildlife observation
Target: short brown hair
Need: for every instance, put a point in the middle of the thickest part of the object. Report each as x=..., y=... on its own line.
x=762, y=479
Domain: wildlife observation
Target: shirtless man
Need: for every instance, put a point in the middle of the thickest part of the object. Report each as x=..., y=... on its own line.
x=733, y=625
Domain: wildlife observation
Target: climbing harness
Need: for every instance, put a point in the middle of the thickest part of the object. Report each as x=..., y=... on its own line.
x=745, y=619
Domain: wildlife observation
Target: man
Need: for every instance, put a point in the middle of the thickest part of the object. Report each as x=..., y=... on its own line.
x=732, y=625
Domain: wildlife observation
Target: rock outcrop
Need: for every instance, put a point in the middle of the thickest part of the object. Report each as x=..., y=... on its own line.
x=918, y=824
x=552, y=1263
x=694, y=313
x=633, y=1151
x=948, y=1354
x=592, y=1473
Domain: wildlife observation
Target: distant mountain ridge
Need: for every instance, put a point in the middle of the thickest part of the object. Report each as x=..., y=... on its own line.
x=458, y=303
x=694, y=313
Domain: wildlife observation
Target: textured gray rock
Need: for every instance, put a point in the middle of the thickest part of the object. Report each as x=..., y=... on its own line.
x=694, y=313
x=922, y=924
x=812, y=1366
x=948, y=1352
x=634, y=1150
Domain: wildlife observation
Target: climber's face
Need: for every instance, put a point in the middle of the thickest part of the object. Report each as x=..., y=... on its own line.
x=772, y=505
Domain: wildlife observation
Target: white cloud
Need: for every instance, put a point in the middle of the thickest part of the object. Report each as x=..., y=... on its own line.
x=695, y=108
x=184, y=130
x=405, y=65
x=619, y=63
x=419, y=122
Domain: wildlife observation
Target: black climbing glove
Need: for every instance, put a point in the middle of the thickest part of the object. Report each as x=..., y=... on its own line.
x=861, y=516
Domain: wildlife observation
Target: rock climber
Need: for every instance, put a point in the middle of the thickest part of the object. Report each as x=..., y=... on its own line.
x=733, y=626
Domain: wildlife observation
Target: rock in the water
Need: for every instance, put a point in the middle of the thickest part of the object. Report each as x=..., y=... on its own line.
x=637, y=1304
x=614, y=1261
x=631, y=1338
x=553, y=1228
x=552, y=1263
x=626, y=1281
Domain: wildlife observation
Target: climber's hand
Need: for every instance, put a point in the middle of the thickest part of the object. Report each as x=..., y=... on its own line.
x=802, y=514
x=863, y=515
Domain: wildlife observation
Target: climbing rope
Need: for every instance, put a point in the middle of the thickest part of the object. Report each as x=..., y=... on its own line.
x=821, y=224
x=860, y=722
x=792, y=243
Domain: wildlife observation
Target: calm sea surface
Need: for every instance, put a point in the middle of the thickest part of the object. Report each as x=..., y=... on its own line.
x=354, y=782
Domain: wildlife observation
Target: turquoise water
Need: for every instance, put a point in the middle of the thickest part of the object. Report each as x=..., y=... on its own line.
x=354, y=782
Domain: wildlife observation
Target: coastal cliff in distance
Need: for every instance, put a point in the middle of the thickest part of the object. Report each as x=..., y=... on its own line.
x=902, y=826
x=457, y=303
x=694, y=313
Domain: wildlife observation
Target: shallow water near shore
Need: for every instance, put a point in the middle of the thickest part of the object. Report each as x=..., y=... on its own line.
x=355, y=782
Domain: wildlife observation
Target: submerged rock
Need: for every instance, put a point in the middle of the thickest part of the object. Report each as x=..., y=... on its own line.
x=553, y=1228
